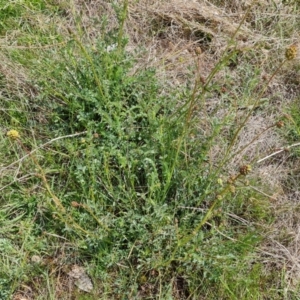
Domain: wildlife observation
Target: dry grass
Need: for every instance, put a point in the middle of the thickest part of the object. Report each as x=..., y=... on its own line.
x=15, y=77
x=92, y=12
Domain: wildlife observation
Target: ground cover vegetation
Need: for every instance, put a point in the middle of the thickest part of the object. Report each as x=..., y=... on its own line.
x=149, y=149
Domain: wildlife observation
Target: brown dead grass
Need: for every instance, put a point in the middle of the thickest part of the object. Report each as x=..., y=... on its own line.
x=91, y=14
x=60, y=285
x=14, y=76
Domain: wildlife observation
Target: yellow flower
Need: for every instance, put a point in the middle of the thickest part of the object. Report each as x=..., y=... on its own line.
x=291, y=52
x=13, y=134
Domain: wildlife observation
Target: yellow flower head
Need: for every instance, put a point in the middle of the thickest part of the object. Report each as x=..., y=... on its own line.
x=291, y=52
x=13, y=134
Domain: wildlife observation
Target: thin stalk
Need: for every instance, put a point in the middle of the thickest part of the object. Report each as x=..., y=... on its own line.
x=90, y=60
x=277, y=152
x=226, y=158
x=122, y=23
x=208, y=214
x=58, y=204
x=193, y=97
x=222, y=60
x=252, y=141
x=42, y=175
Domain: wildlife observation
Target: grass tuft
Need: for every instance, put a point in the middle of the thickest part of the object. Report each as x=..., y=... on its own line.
x=155, y=173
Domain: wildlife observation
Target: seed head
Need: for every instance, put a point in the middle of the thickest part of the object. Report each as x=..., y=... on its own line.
x=288, y=117
x=291, y=52
x=75, y=204
x=232, y=188
x=13, y=134
x=280, y=124
x=198, y=50
x=245, y=169
x=220, y=181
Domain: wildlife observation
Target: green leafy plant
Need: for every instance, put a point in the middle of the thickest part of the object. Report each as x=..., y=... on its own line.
x=111, y=170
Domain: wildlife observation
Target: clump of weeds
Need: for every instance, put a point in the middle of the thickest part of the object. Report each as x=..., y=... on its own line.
x=152, y=188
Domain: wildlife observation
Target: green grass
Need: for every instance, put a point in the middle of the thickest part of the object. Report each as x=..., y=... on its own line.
x=114, y=174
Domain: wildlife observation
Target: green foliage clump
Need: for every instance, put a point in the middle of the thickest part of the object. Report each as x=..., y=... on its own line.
x=126, y=181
